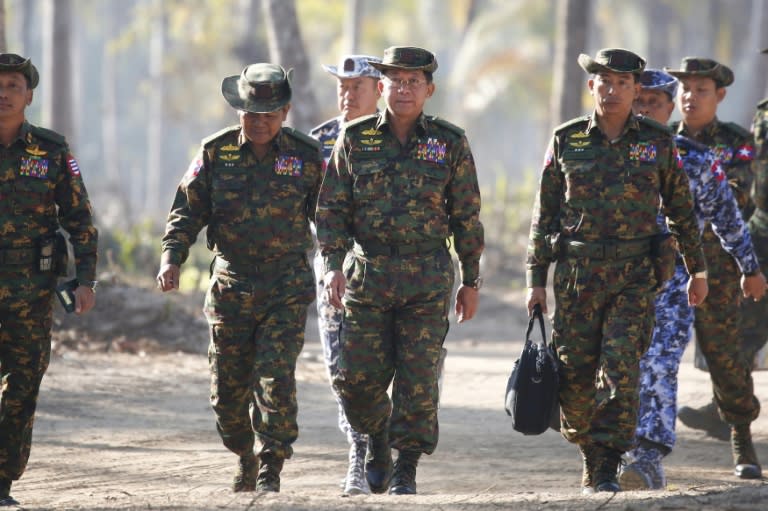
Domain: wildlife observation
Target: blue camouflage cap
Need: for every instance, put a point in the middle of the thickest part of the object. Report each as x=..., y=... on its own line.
x=656, y=79
x=354, y=66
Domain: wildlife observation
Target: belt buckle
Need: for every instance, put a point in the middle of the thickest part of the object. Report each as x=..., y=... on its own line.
x=394, y=250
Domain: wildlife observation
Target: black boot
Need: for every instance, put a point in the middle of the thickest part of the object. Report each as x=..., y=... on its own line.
x=588, y=468
x=378, y=462
x=5, y=494
x=745, y=461
x=606, y=469
x=245, y=479
x=269, y=473
x=404, y=475
x=705, y=418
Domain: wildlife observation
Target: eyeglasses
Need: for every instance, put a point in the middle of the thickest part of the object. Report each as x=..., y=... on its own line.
x=409, y=84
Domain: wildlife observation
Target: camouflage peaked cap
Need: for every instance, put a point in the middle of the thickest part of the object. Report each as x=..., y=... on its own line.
x=616, y=60
x=656, y=79
x=354, y=66
x=705, y=68
x=10, y=62
x=407, y=58
x=260, y=88
x=764, y=51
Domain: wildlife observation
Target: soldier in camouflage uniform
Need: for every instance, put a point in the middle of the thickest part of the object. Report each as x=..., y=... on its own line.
x=254, y=187
x=41, y=190
x=714, y=203
x=753, y=327
x=398, y=184
x=717, y=322
x=357, y=92
x=605, y=177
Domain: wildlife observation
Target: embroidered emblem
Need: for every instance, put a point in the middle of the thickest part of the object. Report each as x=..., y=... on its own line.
x=229, y=157
x=288, y=166
x=35, y=150
x=433, y=150
x=230, y=148
x=642, y=151
x=678, y=154
x=580, y=143
x=372, y=141
x=34, y=167
x=579, y=134
x=330, y=142
x=72, y=165
x=194, y=169
x=548, y=158
x=723, y=153
x=717, y=170
x=745, y=153
x=370, y=132
x=371, y=149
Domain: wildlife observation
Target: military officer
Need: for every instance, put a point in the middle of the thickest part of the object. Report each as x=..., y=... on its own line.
x=398, y=184
x=717, y=322
x=254, y=187
x=713, y=203
x=41, y=189
x=604, y=179
x=357, y=92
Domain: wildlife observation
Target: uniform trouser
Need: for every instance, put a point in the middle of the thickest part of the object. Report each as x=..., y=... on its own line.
x=257, y=332
x=754, y=315
x=602, y=326
x=328, y=324
x=660, y=364
x=717, y=323
x=25, y=352
x=395, y=322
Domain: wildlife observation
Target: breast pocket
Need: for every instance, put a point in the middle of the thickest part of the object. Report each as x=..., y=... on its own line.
x=33, y=195
x=370, y=181
x=230, y=192
x=642, y=182
x=429, y=184
x=581, y=180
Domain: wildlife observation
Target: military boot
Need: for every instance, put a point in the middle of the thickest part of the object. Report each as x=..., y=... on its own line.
x=588, y=468
x=744, y=456
x=705, y=418
x=268, y=478
x=245, y=479
x=378, y=462
x=644, y=470
x=5, y=494
x=404, y=475
x=606, y=468
x=355, y=483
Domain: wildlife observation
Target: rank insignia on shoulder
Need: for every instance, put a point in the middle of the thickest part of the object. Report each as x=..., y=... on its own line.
x=433, y=150
x=35, y=150
x=288, y=166
x=642, y=151
x=230, y=148
x=34, y=167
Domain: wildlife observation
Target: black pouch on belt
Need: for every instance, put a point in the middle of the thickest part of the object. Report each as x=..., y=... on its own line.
x=45, y=254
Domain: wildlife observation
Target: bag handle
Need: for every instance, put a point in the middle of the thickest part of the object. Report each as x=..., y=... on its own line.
x=537, y=314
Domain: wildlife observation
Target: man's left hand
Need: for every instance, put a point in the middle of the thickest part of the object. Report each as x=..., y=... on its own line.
x=85, y=299
x=467, y=299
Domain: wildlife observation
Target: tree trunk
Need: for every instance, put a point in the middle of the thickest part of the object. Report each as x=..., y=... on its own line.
x=56, y=74
x=751, y=59
x=572, y=22
x=3, y=38
x=352, y=23
x=659, y=21
x=155, y=118
x=286, y=48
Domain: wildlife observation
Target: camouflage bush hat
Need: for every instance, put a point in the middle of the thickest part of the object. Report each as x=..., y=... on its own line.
x=11, y=62
x=260, y=88
x=407, y=58
x=706, y=68
x=354, y=66
x=764, y=51
x=617, y=60
x=656, y=79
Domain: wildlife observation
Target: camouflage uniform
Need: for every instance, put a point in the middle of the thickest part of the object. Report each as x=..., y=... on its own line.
x=596, y=208
x=753, y=328
x=398, y=204
x=714, y=205
x=40, y=189
x=717, y=320
x=257, y=214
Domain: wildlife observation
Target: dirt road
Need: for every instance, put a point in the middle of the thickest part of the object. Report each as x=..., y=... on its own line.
x=123, y=431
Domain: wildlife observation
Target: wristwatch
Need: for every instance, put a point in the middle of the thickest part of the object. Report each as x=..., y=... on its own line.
x=89, y=283
x=700, y=275
x=477, y=283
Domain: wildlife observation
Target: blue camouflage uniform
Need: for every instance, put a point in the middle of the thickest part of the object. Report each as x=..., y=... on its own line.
x=714, y=202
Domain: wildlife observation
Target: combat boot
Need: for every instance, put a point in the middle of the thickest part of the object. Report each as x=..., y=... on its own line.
x=705, y=418
x=378, y=462
x=606, y=468
x=245, y=479
x=744, y=456
x=588, y=468
x=644, y=470
x=404, y=475
x=355, y=483
x=5, y=494
x=268, y=478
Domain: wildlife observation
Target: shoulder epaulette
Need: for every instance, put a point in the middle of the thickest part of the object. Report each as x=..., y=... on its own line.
x=447, y=125
x=302, y=137
x=47, y=134
x=735, y=128
x=210, y=138
x=359, y=120
x=572, y=122
x=654, y=124
x=763, y=104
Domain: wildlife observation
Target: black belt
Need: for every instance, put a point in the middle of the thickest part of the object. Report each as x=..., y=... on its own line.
x=17, y=256
x=608, y=250
x=374, y=248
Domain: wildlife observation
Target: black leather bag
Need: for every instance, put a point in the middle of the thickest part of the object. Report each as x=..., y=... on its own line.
x=532, y=389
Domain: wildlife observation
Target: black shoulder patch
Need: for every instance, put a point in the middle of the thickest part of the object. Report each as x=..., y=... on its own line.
x=211, y=138
x=654, y=124
x=735, y=128
x=47, y=134
x=447, y=125
x=302, y=137
x=572, y=123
